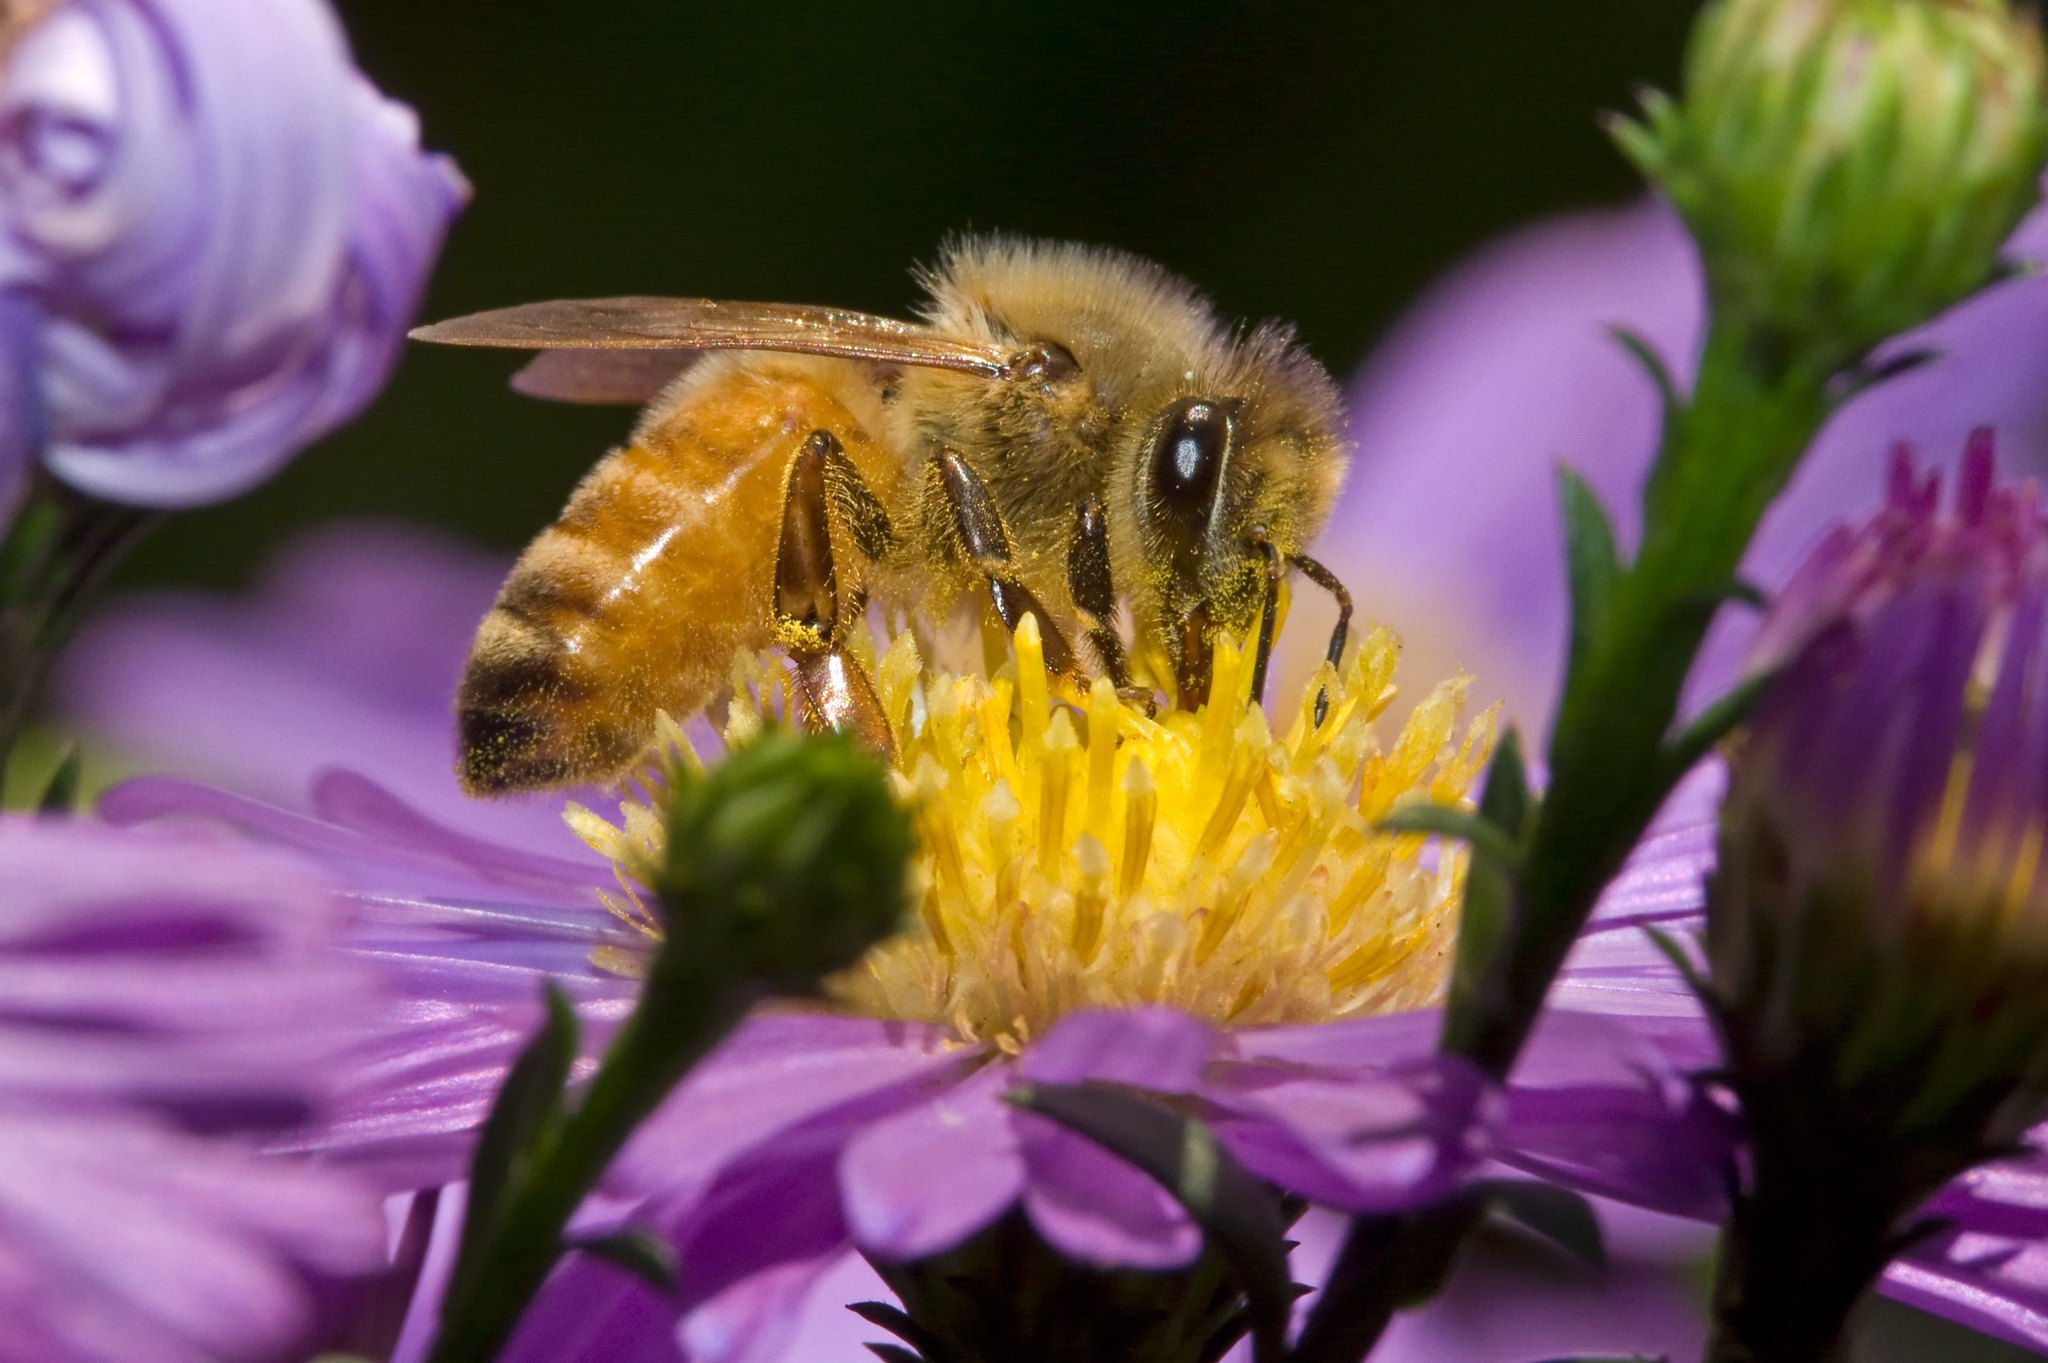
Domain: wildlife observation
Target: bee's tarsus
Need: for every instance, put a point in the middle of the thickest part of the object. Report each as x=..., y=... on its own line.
x=833, y=692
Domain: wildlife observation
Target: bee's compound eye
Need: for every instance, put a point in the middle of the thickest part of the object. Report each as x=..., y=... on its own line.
x=1187, y=459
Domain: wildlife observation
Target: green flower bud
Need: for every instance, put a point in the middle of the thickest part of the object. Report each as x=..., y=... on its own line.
x=785, y=861
x=1849, y=167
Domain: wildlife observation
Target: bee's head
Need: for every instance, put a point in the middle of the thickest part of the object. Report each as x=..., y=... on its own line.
x=1235, y=471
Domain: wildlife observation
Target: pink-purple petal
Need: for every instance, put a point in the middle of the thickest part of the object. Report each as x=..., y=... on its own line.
x=921, y=1181
x=1161, y=1049
x=1095, y=1207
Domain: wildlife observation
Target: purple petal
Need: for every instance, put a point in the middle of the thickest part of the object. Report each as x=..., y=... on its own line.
x=591, y=1312
x=184, y=971
x=1989, y=1268
x=926, y=1179
x=123, y=1240
x=755, y=1320
x=774, y=1073
x=1364, y=1140
x=1099, y=1209
x=227, y=231
x=1162, y=1049
x=1383, y=1040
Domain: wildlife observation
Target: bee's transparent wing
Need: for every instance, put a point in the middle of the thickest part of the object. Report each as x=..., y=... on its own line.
x=631, y=378
x=623, y=326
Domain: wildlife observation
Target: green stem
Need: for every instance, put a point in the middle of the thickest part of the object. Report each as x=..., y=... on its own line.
x=681, y=1016
x=1728, y=454
x=54, y=557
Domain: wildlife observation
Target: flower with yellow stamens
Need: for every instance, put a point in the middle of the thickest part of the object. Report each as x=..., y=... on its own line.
x=1095, y=856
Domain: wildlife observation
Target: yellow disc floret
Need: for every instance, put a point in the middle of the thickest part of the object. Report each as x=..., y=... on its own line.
x=1077, y=855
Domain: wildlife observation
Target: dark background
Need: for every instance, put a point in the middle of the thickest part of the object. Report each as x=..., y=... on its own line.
x=1318, y=163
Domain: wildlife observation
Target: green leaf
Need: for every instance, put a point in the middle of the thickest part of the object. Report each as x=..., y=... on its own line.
x=1559, y=1215
x=1486, y=918
x=527, y=1108
x=60, y=796
x=898, y=1323
x=1488, y=840
x=1592, y=566
x=1670, y=400
x=1232, y=1207
x=894, y=1353
x=646, y=1256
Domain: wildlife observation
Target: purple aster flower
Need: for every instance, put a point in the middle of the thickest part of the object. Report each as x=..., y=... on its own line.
x=172, y=999
x=1873, y=941
x=213, y=233
x=841, y=1130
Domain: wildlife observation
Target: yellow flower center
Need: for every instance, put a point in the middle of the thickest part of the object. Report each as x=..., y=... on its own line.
x=1089, y=855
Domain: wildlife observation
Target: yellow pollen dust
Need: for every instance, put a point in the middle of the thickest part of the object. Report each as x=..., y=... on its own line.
x=1088, y=855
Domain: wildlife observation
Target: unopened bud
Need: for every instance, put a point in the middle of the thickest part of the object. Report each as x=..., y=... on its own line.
x=1849, y=167
x=784, y=862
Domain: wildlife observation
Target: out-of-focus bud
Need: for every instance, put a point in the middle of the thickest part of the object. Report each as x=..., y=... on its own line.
x=784, y=862
x=1849, y=167
x=220, y=229
x=1877, y=927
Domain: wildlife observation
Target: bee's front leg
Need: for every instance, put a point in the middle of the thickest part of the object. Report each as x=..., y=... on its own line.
x=833, y=691
x=987, y=543
x=1088, y=579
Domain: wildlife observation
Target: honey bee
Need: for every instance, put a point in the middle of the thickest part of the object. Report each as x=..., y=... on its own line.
x=1065, y=425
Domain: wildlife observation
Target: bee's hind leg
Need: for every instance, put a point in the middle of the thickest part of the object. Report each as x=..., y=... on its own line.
x=833, y=691
x=1088, y=578
x=987, y=543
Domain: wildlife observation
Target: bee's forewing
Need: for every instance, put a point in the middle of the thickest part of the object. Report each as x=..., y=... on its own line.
x=616, y=324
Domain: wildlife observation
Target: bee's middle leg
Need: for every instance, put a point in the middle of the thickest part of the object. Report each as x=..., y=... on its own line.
x=833, y=690
x=987, y=543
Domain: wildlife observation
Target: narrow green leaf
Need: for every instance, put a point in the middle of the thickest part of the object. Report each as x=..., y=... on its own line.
x=1506, y=803
x=1866, y=376
x=1712, y=725
x=1682, y=960
x=60, y=796
x=1592, y=566
x=894, y=1353
x=1488, y=840
x=1232, y=1207
x=1643, y=353
x=646, y=1256
x=900, y=1324
x=1487, y=917
x=527, y=1107
x=1559, y=1215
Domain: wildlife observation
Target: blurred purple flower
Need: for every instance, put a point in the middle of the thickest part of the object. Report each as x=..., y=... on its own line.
x=170, y=998
x=213, y=233
x=1448, y=527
